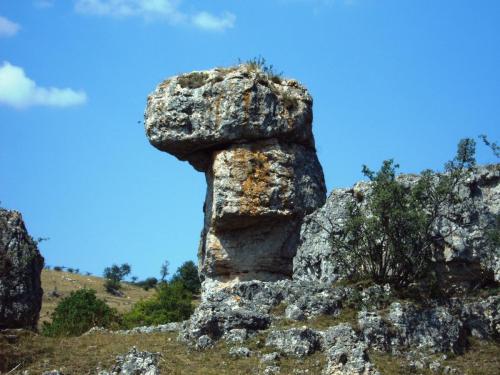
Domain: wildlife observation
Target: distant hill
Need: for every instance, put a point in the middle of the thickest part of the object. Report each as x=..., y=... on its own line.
x=65, y=282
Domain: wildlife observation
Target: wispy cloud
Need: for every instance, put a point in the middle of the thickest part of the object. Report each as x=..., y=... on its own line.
x=8, y=28
x=207, y=21
x=165, y=10
x=19, y=91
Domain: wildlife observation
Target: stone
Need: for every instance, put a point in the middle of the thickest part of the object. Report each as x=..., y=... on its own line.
x=433, y=329
x=240, y=352
x=375, y=330
x=345, y=352
x=482, y=318
x=296, y=342
x=308, y=300
x=252, y=136
x=270, y=357
x=135, y=363
x=271, y=370
x=231, y=311
x=464, y=257
x=20, y=271
x=204, y=342
x=237, y=335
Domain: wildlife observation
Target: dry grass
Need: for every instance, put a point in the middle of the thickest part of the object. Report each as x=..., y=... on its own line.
x=65, y=283
x=82, y=355
x=481, y=358
x=320, y=322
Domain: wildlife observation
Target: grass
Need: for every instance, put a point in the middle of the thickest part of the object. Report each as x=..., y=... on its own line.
x=320, y=322
x=193, y=80
x=65, y=283
x=82, y=355
x=481, y=358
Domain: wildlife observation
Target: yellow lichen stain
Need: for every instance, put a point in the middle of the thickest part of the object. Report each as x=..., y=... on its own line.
x=255, y=185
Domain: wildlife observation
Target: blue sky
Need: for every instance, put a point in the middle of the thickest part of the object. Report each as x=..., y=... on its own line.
x=403, y=79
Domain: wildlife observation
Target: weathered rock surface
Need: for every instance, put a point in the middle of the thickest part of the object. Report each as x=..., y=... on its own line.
x=252, y=136
x=464, y=255
x=346, y=353
x=20, y=269
x=135, y=363
x=296, y=342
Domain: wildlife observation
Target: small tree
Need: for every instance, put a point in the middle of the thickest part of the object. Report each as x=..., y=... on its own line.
x=389, y=236
x=164, y=272
x=172, y=303
x=79, y=312
x=114, y=275
x=187, y=274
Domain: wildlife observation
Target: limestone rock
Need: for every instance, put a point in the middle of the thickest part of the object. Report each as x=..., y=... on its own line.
x=346, y=353
x=432, y=329
x=464, y=255
x=240, y=352
x=193, y=114
x=296, y=342
x=135, y=363
x=20, y=269
x=252, y=136
x=482, y=318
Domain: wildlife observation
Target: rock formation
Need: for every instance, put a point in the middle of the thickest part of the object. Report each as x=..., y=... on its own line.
x=20, y=269
x=251, y=133
x=463, y=255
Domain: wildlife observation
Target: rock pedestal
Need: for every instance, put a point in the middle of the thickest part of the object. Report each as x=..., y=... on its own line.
x=251, y=133
x=20, y=269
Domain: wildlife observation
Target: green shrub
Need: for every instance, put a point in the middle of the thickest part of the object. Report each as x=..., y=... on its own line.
x=79, y=312
x=187, y=275
x=148, y=283
x=172, y=303
x=114, y=275
x=388, y=236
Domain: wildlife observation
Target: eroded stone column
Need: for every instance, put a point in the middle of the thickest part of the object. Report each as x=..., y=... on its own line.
x=251, y=135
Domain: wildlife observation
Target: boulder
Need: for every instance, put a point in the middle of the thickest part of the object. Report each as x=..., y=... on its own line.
x=20, y=269
x=135, y=363
x=252, y=136
x=345, y=352
x=296, y=342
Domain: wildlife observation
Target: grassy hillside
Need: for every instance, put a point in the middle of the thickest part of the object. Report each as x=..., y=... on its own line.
x=65, y=283
x=81, y=355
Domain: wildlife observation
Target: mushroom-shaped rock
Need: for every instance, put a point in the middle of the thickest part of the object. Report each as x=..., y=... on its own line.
x=251, y=133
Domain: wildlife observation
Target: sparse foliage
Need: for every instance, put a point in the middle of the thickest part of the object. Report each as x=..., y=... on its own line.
x=114, y=275
x=260, y=64
x=389, y=236
x=164, y=271
x=492, y=145
x=187, y=274
x=79, y=312
x=172, y=303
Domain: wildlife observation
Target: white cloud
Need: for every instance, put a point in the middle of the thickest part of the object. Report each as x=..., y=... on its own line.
x=207, y=21
x=7, y=27
x=166, y=10
x=19, y=91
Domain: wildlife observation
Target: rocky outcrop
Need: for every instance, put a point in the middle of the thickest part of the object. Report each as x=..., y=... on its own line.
x=252, y=136
x=463, y=256
x=135, y=363
x=20, y=269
